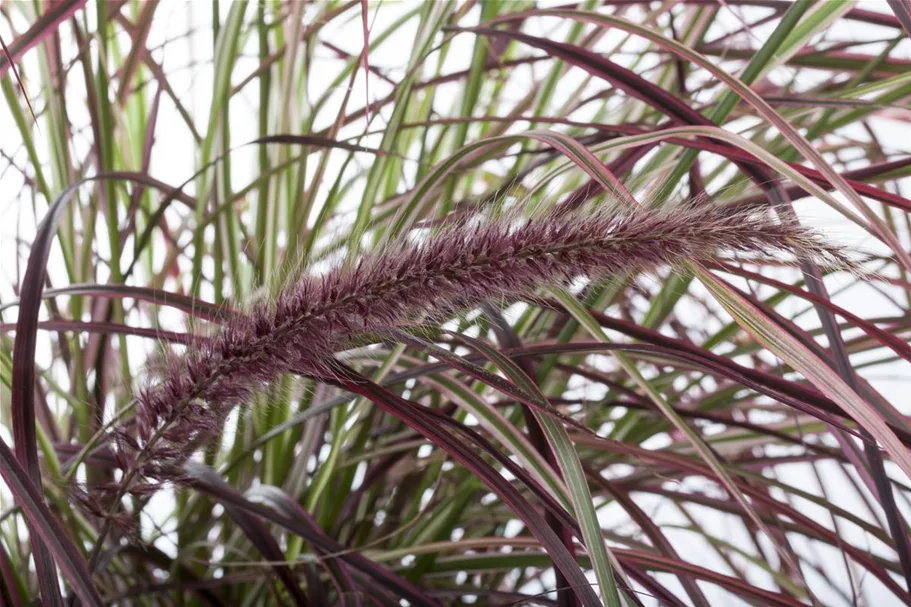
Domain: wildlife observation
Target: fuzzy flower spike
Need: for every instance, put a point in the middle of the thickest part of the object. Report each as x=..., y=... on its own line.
x=456, y=269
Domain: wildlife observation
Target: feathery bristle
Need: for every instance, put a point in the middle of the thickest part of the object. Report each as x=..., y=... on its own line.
x=456, y=269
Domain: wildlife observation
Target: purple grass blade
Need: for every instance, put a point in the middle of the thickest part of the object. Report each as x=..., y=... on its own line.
x=46, y=25
x=260, y=537
x=24, y=378
x=902, y=10
x=409, y=414
x=46, y=532
x=191, y=305
x=206, y=481
x=107, y=328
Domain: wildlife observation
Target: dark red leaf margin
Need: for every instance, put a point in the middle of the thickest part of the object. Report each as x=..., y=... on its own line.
x=47, y=24
x=22, y=472
x=902, y=10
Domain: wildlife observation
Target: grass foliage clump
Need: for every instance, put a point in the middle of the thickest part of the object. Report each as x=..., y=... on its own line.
x=455, y=303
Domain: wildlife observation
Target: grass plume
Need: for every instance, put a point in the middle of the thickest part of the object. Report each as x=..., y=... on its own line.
x=461, y=266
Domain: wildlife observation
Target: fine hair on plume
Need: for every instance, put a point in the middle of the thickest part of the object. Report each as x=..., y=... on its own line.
x=428, y=275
